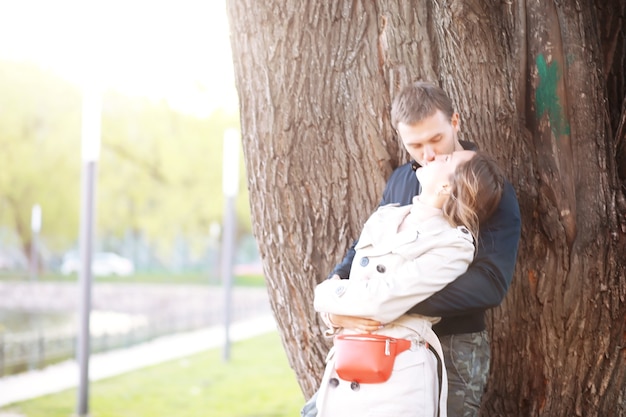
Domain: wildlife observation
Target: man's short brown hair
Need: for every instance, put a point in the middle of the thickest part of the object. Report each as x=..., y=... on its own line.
x=418, y=101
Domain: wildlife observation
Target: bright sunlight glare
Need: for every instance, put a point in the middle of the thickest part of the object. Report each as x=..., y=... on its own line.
x=177, y=50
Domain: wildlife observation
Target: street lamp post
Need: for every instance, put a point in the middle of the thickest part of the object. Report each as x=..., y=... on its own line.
x=35, y=227
x=230, y=185
x=91, y=128
x=35, y=355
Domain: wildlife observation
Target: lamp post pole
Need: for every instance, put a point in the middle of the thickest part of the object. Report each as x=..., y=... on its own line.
x=35, y=227
x=35, y=355
x=230, y=185
x=91, y=128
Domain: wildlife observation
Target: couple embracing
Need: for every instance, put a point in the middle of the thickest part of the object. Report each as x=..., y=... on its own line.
x=439, y=251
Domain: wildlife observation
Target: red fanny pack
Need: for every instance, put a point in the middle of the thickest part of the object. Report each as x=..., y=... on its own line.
x=367, y=358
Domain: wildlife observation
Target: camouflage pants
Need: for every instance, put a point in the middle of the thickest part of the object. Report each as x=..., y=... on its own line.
x=467, y=363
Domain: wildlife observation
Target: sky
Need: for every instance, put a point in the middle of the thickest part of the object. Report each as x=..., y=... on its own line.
x=176, y=50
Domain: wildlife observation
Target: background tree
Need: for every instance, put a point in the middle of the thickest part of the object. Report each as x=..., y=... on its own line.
x=159, y=175
x=39, y=129
x=538, y=84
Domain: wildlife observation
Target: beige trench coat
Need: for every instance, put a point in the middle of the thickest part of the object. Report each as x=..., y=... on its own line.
x=391, y=272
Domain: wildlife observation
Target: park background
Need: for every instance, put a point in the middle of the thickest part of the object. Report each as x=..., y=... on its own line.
x=539, y=84
x=168, y=99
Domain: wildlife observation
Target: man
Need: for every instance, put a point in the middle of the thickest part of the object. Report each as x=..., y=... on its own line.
x=426, y=123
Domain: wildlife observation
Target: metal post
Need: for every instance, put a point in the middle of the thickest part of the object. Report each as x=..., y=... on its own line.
x=230, y=185
x=2, y=354
x=227, y=269
x=34, y=355
x=86, y=250
x=91, y=127
x=35, y=227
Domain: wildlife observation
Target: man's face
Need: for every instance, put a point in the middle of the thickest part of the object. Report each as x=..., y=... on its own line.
x=435, y=135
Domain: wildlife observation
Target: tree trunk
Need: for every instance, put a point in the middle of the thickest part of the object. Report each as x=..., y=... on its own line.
x=531, y=81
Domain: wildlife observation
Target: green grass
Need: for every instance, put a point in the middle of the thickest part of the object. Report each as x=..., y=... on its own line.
x=256, y=382
x=198, y=278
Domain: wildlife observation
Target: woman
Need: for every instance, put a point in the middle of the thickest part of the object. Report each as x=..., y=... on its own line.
x=404, y=255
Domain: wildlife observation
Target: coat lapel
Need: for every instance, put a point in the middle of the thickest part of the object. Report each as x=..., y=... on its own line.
x=380, y=233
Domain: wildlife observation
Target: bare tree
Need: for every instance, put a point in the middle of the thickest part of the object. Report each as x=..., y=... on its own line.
x=539, y=84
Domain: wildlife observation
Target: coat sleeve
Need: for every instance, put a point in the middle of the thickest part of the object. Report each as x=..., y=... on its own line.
x=487, y=280
x=387, y=297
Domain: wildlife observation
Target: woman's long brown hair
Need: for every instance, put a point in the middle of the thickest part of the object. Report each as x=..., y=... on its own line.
x=475, y=191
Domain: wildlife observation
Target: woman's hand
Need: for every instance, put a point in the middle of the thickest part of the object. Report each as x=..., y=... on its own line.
x=358, y=324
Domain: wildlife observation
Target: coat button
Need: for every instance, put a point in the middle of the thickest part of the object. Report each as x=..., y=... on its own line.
x=364, y=261
x=381, y=268
x=333, y=382
x=354, y=386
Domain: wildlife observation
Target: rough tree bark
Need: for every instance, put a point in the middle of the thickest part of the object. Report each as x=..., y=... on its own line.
x=538, y=84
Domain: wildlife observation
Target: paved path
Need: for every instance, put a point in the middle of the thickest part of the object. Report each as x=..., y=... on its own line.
x=63, y=376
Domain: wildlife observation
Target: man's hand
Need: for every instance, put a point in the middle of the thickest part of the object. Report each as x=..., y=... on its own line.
x=358, y=324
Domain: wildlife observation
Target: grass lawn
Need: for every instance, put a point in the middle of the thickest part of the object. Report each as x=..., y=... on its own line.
x=198, y=278
x=256, y=382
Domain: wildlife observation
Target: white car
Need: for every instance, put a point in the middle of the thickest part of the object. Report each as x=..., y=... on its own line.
x=103, y=264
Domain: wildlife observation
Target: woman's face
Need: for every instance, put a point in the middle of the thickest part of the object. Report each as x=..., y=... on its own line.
x=436, y=175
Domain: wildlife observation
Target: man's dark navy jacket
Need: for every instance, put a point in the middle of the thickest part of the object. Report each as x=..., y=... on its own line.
x=462, y=303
